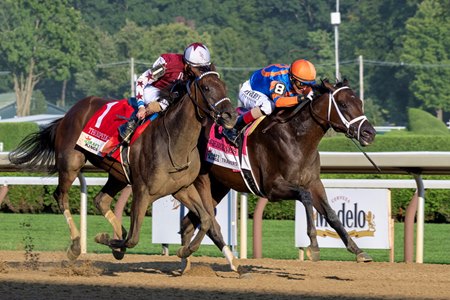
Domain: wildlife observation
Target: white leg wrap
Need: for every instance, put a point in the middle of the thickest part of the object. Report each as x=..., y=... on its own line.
x=229, y=256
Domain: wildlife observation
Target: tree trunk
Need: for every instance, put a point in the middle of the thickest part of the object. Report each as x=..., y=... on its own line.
x=440, y=114
x=23, y=89
x=63, y=94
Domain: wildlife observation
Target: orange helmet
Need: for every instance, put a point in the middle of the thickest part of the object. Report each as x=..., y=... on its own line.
x=303, y=71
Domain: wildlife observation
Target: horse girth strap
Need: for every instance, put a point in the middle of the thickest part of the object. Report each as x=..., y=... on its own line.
x=279, y=119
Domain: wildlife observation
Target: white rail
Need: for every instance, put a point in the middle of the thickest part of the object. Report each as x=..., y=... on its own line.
x=412, y=163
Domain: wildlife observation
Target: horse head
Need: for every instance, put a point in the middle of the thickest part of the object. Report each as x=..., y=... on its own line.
x=344, y=112
x=208, y=94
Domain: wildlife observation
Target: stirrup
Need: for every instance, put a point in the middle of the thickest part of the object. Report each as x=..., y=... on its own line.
x=126, y=131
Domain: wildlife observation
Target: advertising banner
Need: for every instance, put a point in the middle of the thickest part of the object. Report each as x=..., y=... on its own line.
x=167, y=213
x=365, y=213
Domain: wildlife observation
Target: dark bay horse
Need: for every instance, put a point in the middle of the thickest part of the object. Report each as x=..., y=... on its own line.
x=284, y=156
x=164, y=160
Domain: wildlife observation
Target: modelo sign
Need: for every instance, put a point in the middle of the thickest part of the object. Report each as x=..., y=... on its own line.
x=365, y=214
x=167, y=213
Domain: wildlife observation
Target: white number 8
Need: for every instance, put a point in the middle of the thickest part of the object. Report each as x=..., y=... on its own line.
x=279, y=89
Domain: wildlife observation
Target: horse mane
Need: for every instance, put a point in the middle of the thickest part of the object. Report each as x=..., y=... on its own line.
x=175, y=91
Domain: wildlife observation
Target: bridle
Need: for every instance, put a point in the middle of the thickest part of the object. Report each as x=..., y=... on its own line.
x=211, y=106
x=348, y=124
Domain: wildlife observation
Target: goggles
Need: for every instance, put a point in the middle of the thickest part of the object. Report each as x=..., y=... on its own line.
x=302, y=84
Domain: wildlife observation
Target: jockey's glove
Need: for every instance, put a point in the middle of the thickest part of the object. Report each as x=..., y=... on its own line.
x=301, y=98
x=153, y=107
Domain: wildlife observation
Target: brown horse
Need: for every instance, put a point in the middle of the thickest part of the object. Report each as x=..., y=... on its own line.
x=284, y=156
x=164, y=159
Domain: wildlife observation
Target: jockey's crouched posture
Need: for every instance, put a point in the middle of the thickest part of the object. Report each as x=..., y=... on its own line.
x=276, y=85
x=168, y=68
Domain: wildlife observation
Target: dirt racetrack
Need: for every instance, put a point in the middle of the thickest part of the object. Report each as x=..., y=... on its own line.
x=49, y=275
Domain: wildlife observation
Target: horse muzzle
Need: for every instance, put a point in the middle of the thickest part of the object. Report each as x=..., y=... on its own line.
x=367, y=136
x=227, y=119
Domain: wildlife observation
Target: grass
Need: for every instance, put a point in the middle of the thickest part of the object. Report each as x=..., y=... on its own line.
x=50, y=232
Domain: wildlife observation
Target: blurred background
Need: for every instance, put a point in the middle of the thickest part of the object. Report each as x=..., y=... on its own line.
x=394, y=52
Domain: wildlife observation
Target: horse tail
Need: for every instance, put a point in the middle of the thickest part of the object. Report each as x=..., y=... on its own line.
x=36, y=152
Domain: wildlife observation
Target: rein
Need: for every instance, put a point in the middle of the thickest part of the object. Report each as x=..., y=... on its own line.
x=279, y=119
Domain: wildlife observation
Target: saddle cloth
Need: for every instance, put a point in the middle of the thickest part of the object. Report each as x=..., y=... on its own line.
x=220, y=152
x=101, y=136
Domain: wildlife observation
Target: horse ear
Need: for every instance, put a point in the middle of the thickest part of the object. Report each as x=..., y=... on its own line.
x=213, y=67
x=345, y=82
x=328, y=85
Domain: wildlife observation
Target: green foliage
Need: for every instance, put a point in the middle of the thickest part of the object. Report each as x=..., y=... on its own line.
x=110, y=79
x=11, y=134
x=372, y=29
x=374, y=112
x=390, y=142
x=421, y=122
x=427, y=42
x=40, y=40
x=38, y=103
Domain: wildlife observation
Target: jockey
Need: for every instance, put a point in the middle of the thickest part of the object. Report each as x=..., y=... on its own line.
x=277, y=85
x=168, y=68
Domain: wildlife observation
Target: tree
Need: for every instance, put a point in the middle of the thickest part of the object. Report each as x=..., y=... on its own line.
x=426, y=44
x=110, y=78
x=373, y=29
x=40, y=39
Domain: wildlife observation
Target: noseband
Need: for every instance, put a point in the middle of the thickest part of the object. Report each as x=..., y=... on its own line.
x=211, y=107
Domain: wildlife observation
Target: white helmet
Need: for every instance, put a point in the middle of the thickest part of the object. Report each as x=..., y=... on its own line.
x=197, y=55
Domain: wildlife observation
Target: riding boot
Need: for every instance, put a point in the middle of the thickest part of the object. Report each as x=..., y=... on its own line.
x=126, y=130
x=250, y=116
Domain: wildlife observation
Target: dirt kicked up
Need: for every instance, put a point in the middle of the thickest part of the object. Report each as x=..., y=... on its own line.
x=49, y=275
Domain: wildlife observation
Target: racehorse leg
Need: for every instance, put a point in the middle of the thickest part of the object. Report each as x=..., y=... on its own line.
x=69, y=166
x=103, y=203
x=191, y=221
x=321, y=204
x=141, y=200
x=191, y=199
x=283, y=189
x=313, y=251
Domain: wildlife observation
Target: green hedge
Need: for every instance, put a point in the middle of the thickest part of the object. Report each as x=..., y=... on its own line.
x=390, y=142
x=12, y=133
x=437, y=205
x=18, y=199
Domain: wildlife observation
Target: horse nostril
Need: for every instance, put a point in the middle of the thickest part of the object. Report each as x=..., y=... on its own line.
x=228, y=120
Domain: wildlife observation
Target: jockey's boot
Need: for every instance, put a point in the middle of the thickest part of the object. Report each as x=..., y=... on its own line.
x=126, y=130
x=250, y=116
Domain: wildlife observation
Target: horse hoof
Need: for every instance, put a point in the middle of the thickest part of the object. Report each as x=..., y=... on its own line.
x=119, y=254
x=102, y=238
x=70, y=255
x=235, y=266
x=363, y=257
x=74, y=250
x=313, y=255
x=185, y=265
